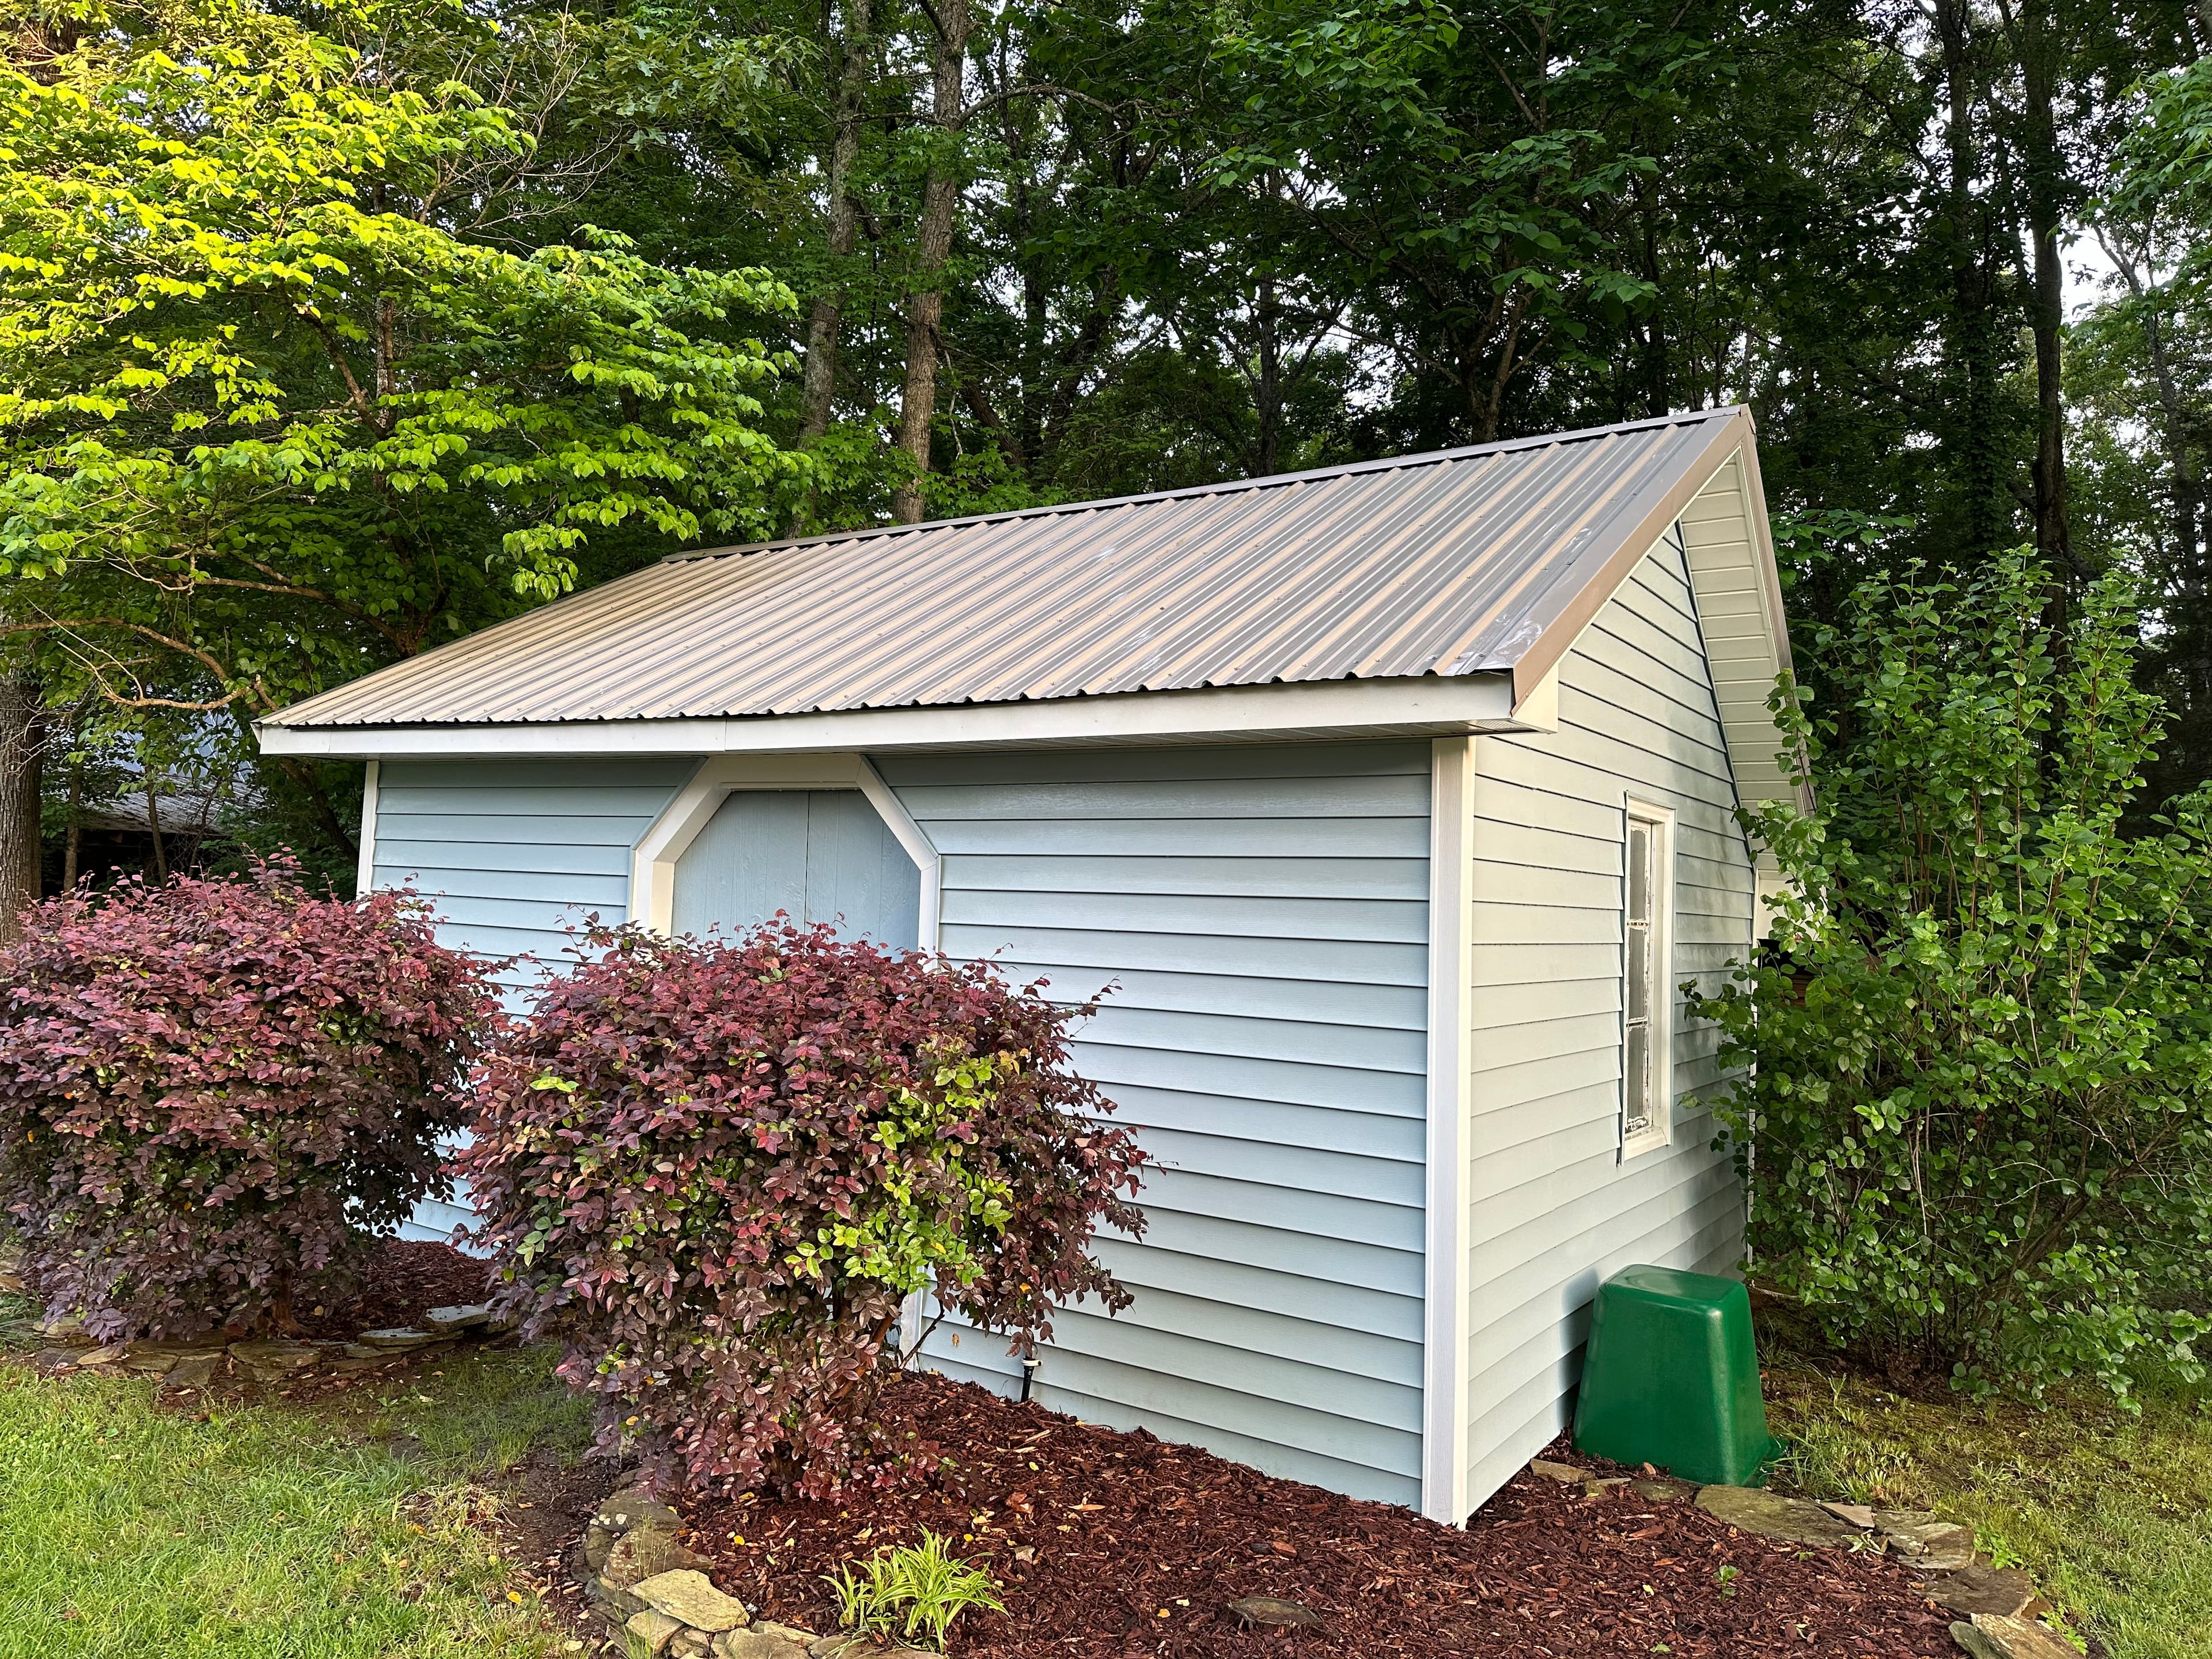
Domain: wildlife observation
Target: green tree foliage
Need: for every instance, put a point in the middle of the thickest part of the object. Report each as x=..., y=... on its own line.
x=268, y=419
x=1978, y=1130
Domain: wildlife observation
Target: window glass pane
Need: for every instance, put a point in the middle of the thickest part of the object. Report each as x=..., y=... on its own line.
x=1639, y=973
x=1639, y=871
x=1635, y=1085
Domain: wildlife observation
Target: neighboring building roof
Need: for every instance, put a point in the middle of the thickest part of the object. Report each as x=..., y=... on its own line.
x=1481, y=560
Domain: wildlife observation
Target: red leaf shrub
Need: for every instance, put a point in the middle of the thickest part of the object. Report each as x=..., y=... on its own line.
x=214, y=1094
x=719, y=1168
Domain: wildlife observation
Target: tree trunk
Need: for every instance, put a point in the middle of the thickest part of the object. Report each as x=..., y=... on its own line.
x=2036, y=47
x=153, y=824
x=73, y=835
x=1974, y=335
x=23, y=774
x=1268, y=314
x=818, y=391
x=940, y=202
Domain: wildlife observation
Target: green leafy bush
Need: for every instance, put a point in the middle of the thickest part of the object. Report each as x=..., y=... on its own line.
x=1978, y=1132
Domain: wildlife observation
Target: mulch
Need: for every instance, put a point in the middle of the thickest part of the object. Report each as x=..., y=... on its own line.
x=405, y=1280
x=1139, y=1543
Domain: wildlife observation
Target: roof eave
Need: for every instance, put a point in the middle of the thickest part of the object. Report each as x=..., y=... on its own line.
x=1426, y=705
x=1590, y=594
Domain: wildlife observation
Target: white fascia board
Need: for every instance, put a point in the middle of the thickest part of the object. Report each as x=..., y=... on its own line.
x=1428, y=705
x=1445, y=1428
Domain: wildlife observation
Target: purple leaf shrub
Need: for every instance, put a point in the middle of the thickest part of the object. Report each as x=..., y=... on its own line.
x=214, y=1093
x=719, y=1168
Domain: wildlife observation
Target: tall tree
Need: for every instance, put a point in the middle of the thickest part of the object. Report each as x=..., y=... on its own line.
x=268, y=420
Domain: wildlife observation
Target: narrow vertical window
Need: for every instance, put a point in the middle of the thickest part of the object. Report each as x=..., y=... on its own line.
x=1646, y=1091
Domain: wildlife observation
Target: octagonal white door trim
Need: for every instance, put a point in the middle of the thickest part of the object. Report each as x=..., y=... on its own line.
x=652, y=863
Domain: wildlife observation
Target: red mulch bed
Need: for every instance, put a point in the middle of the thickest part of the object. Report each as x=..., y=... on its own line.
x=405, y=1280
x=1124, y=1526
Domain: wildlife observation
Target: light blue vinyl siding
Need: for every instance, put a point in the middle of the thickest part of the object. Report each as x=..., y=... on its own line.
x=1261, y=916
x=513, y=853
x=814, y=854
x=1554, y=1207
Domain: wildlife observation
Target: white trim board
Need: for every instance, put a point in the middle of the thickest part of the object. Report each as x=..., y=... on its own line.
x=364, y=879
x=1444, y=1379
x=653, y=860
x=1427, y=706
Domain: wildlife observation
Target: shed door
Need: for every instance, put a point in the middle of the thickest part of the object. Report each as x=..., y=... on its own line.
x=816, y=854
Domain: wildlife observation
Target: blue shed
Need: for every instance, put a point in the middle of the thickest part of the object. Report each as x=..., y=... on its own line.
x=1397, y=801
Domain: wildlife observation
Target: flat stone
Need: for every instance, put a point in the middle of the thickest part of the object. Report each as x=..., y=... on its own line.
x=646, y=1552
x=1566, y=1473
x=278, y=1357
x=1932, y=1545
x=1856, y=1515
x=690, y=1644
x=50, y=1360
x=851, y=1645
x=448, y=1320
x=106, y=1355
x=687, y=1594
x=192, y=1371
x=397, y=1339
x=2012, y=1638
x=761, y=1642
x=2004, y=1591
x=160, y=1359
x=67, y=1330
x=653, y=1632
x=1271, y=1613
x=623, y=1512
x=1770, y=1515
x=615, y=1596
x=1605, y=1487
x=1662, y=1490
x=632, y=1507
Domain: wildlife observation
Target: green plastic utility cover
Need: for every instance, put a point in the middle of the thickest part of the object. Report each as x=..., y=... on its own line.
x=1671, y=1377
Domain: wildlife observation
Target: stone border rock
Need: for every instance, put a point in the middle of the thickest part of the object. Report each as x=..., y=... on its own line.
x=652, y=1592
x=193, y=1365
x=1999, y=1604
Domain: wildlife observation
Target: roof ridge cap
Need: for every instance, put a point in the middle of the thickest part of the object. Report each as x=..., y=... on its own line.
x=1227, y=486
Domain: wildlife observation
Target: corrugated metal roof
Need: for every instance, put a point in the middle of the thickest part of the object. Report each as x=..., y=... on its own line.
x=1452, y=563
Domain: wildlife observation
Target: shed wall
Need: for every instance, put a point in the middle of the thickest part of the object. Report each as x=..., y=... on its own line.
x=1554, y=1207
x=514, y=853
x=1262, y=915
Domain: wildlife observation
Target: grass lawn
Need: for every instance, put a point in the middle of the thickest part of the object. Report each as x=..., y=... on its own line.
x=268, y=1530
x=2111, y=1513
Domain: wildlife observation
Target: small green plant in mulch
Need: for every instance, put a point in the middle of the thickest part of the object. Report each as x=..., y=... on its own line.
x=912, y=1591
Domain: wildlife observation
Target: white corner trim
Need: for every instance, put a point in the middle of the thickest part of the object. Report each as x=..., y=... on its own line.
x=1422, y=706
x=1445, y=1428
x=653, y=860
x=364, y=877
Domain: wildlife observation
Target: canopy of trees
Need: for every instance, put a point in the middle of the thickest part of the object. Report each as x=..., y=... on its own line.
x=329, y=330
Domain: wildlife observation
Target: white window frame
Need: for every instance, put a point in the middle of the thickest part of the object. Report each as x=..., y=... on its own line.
x=653, y=862
x=1659, y=1128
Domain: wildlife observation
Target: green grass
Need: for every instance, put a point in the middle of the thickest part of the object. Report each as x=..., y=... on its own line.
x=270, y=1530
x=2110, y=1513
